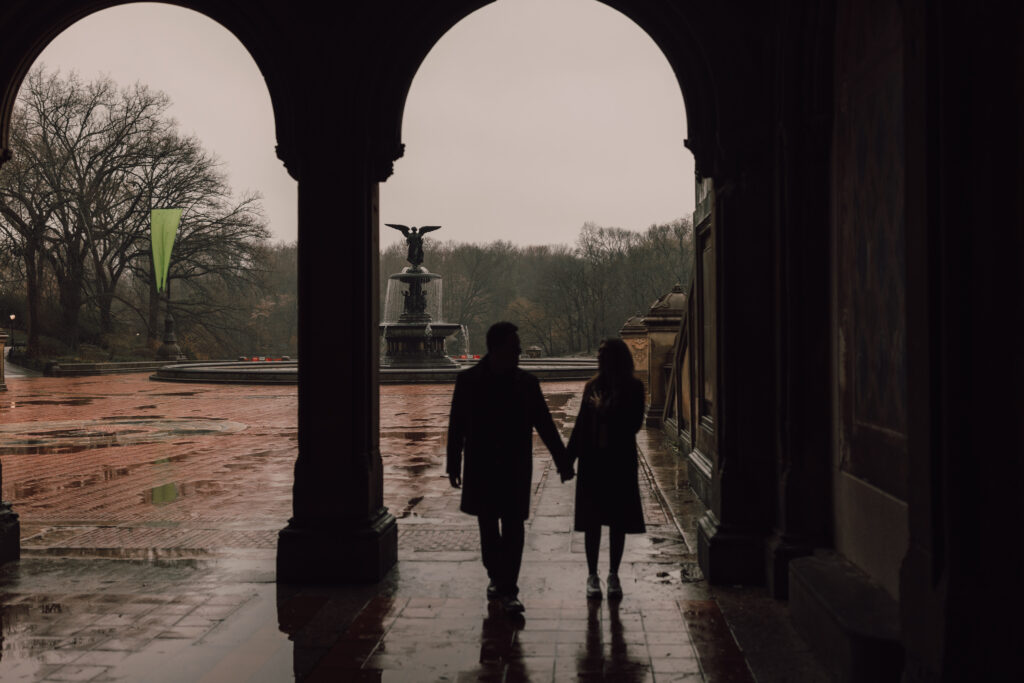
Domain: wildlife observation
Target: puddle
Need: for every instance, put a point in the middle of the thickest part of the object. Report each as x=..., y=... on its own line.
x=689, y=572
x=73, y=436
x=53, y=402
x=172, y=491
x=35, y=487
x=161, y=495
x=558, y=400
x=416, y=436
x=413, y=502
x=29, y=449
x=110, y=472
x=67, y=433
x=27, y=489
x=158, y=557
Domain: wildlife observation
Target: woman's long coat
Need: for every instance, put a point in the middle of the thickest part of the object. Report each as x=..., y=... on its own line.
x=604, y=442
x=492, y=421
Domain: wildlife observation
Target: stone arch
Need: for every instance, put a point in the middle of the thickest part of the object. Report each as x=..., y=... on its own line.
x=40, y=24
x=675, y=35
x=722, y=60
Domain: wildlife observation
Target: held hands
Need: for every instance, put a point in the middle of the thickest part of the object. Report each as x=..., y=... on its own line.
x=456, y=481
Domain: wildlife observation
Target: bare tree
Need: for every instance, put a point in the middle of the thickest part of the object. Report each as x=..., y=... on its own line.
x=26, y=206
x=92, y=160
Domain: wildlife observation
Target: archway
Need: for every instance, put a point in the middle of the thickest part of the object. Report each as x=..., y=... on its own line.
x=90, y=45
x=524, y=122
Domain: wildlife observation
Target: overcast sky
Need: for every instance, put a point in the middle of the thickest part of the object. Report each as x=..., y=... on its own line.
x=527, y=119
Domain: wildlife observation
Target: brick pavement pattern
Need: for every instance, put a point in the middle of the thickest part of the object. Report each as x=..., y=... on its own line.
x=149, y=515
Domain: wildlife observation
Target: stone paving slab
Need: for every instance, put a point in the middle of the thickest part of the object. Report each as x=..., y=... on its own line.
x=151, y=557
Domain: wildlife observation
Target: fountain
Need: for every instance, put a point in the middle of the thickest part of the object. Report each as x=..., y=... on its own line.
x=412, y=334
x=414, y=337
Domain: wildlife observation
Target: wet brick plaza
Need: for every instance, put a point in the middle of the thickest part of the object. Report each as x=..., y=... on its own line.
x=149, y=514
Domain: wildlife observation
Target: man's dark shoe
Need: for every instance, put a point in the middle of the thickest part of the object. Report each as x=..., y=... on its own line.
x=512, y=605
x=492, y=591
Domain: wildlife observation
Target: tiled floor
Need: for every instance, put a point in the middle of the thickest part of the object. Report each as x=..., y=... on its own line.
x=149, y=513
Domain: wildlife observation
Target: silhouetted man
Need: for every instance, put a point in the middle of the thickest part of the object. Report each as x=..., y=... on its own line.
x=495, y=408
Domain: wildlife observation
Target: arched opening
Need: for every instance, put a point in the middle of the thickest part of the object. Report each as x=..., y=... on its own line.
x=548, y=142
x=149, y=104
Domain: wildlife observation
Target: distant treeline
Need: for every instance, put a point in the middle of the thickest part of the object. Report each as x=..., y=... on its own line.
x=564, y=299
x=91, y=159
x=215, y=317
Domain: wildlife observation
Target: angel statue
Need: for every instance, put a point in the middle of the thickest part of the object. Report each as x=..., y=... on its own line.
x=414, y=238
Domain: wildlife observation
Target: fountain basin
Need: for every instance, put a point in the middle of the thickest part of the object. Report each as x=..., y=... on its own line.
x=231, y=372
x=286, y=372
x=545, y=369
x=416, y=345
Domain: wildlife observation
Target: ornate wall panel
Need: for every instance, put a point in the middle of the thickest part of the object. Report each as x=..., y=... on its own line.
x=870, y=242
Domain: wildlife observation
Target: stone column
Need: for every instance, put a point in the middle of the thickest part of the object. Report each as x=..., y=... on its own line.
x=662, y=324
x=803, y=400
x=3, y=360
x=10, y=529
x=635, y=335
x=340, y=530
x=731, y=534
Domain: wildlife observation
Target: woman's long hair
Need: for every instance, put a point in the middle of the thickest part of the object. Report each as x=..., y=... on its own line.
x=614, y=370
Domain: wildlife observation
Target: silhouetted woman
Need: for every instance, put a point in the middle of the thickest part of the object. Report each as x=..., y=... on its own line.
x=604, y=442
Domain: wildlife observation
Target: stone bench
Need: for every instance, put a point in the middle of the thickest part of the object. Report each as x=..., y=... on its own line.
x=851, y=622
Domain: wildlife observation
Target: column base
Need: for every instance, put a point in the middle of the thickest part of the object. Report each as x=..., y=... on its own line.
x=10, y=534
x=334, y=554
x=729, y=556
x=778, y=552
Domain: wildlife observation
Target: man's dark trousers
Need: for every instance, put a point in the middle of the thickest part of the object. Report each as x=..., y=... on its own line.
x=502, y=551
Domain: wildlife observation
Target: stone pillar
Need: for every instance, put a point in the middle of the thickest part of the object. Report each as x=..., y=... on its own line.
x=802, y=254
x=731, y=534
x=662, y=325
x=10, y=529
x=635, y=335
x=3, y=360
x=340, y=531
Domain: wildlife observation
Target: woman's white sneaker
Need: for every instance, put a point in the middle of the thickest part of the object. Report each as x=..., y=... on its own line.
x=614, y=587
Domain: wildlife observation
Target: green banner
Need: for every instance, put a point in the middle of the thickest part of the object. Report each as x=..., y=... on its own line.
x=163, y=227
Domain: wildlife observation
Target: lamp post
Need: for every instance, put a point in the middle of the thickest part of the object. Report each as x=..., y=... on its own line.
x=170, y=349
x=12, y=330
x=163, y=226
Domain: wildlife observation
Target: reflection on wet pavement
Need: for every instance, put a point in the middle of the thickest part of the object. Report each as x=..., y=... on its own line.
x=79, y=435
x=413, y=440
x=466, y=639
x=47, y=402
x=154, y=560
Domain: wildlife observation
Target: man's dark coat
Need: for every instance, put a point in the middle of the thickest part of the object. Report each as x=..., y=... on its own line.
x=492, y=420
